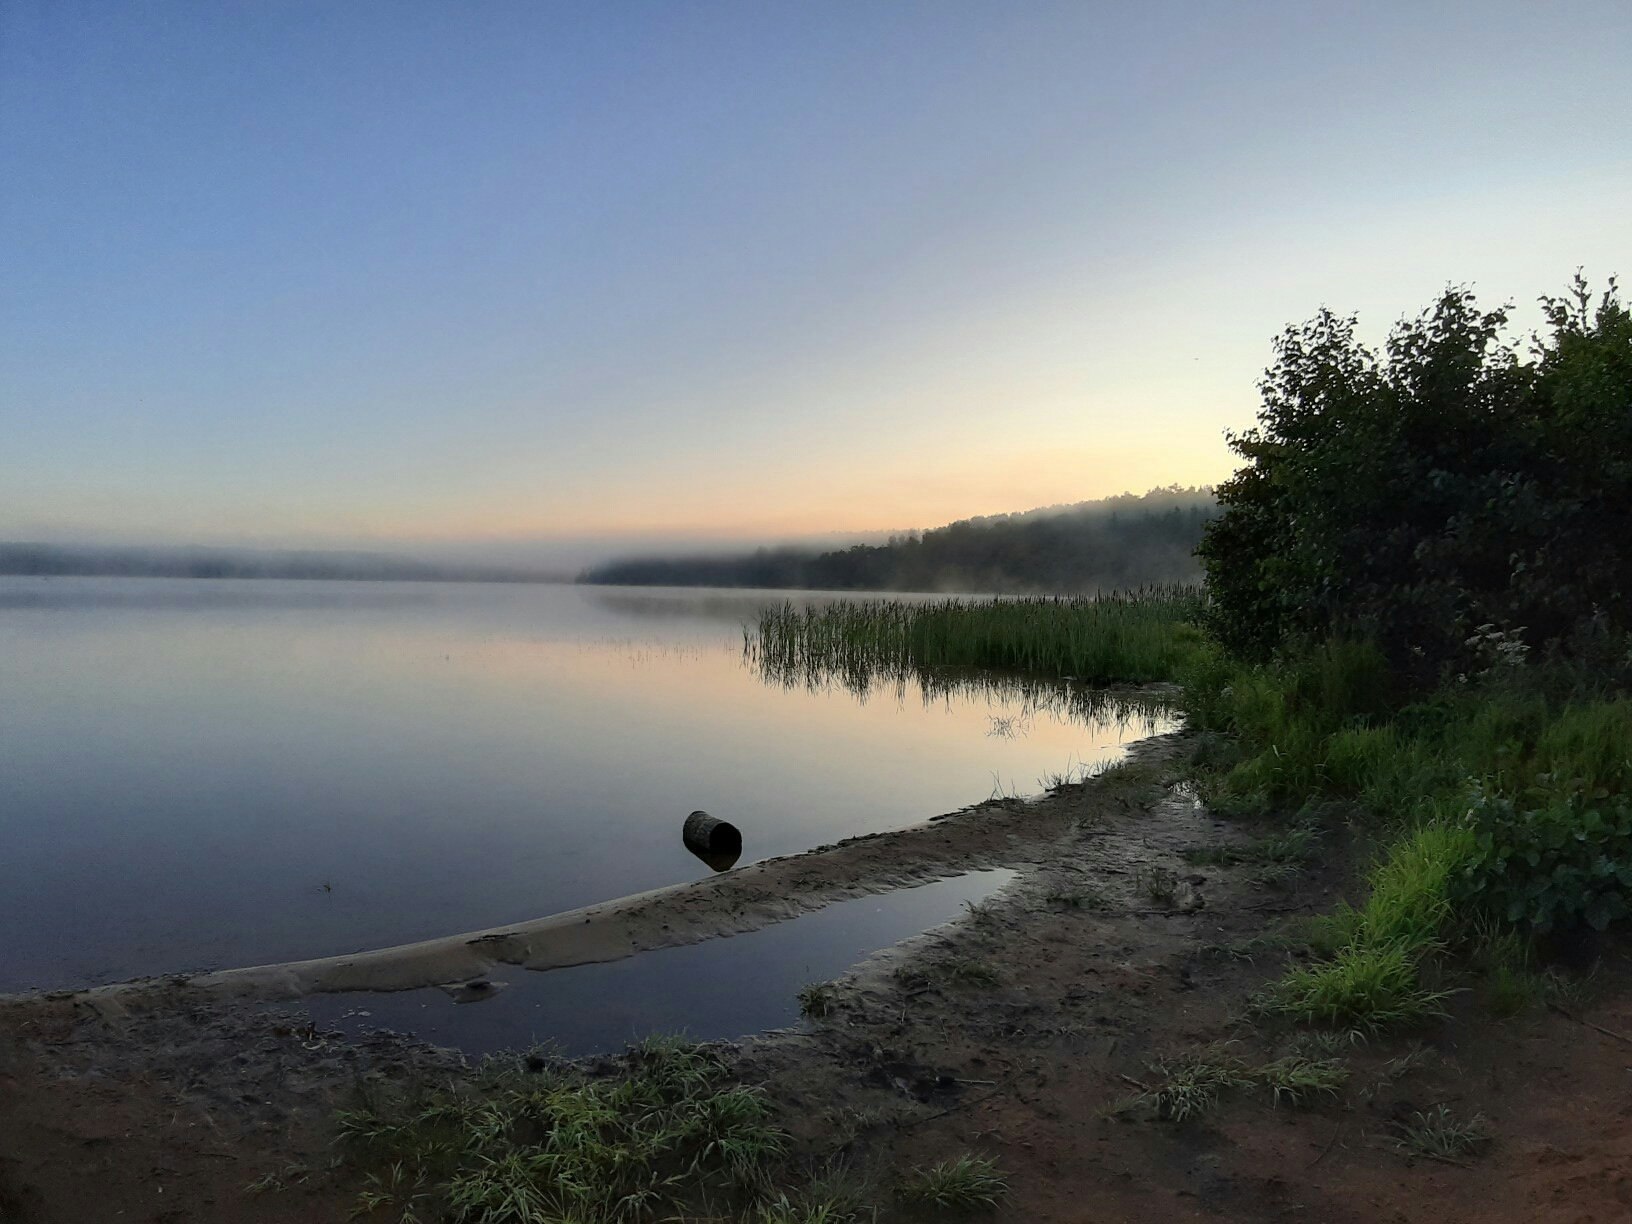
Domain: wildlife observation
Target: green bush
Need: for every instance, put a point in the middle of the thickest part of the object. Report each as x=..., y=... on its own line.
x=1462, y=506
x=1552, y=867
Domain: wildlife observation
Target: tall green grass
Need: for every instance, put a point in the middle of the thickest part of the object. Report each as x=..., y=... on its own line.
x=1500, y=792
x=515, y=1145
x=1134, y=637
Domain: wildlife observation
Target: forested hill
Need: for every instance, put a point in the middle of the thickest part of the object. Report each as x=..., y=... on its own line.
x=1116, y=543
x=119, y=561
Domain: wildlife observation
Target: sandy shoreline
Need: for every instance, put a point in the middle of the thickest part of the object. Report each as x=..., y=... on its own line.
x=745, y=899
x=163, y=1099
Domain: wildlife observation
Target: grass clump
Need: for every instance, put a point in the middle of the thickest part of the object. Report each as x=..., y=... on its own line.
x=1297, y=1079
x=847, y=1124
x=291, y=1175
x=981, y=913
x=817, y=1000
x=1158, y=884
x=967, y=971
x=539, y=1147
x=1409, y=1063
x=803, y=1211
x=1366, y=986
x=1569, y=993
x=1293, y=847
x=1189, y=1084
x=1510, y=990
x=963, y=1184
x=1440, y=1134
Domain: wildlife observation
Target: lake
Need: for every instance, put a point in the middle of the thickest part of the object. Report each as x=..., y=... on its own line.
x=211, y=773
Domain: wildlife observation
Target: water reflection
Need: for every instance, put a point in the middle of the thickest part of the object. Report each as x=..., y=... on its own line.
x=734, y=607
x=200, y=773
x=1147, y=710
x=723, y=988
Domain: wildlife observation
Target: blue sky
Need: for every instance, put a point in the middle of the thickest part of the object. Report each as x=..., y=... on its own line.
x=597, y=274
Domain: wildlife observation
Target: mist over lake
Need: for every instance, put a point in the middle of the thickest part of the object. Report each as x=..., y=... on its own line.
x=210, y=773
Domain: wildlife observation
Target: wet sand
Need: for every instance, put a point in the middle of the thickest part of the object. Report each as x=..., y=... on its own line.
x=162, y=1100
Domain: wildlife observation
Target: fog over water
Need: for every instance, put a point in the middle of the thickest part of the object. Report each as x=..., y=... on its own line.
x=209, y=773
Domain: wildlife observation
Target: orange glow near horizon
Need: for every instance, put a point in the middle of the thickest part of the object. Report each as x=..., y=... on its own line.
x=874, y=494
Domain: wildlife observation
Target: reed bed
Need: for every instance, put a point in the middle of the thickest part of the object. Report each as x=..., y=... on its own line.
x=1136, y=710
x=1132, y=637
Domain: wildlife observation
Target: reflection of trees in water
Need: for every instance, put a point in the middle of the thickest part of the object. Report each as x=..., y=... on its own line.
x=865, y=678
x=732, y=609
x=736, y=608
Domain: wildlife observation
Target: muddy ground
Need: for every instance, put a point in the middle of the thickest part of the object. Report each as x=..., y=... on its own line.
x=1022, y=1031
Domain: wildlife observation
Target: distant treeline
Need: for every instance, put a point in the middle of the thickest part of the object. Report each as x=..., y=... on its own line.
x=132, y=562
x=1116, y=543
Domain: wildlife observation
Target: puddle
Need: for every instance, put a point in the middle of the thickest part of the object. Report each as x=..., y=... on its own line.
x=721, y=988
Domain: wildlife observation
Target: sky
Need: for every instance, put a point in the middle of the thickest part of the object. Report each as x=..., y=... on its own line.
x=562, y=279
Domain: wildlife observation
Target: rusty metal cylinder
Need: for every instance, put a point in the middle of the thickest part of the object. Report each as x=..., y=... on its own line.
x=707, y=836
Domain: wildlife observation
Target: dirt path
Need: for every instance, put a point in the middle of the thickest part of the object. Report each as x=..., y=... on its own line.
x=1016, y=1031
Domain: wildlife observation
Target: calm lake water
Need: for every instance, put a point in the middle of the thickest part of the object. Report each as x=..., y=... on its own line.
x=210, y=773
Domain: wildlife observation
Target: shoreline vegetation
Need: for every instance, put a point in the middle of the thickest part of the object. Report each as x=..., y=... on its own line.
x=1407, y=722
x=1438, y=660
x=1138, y=637
x=1472, y=717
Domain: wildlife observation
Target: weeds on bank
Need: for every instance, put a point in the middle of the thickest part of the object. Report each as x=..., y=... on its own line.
x=537, y=1146
x=1189, y=1084
x=817, y=1000
x=1365, y=987
x=1569, y=993
x=847, y=1124
x=1297, y=1079
x=1072, y=775
x=1077, y=898
x=1292, y=847
x=291, y=1175
x=1439, y=1133
x=1510, y=991
x=1158, y=884
x=968, y=971
x=1325, y=1043
x=964, y=1184
x=1502, y=802
x=1412, y=1061
x=804, y=1210
x=833, y=1195
x=981, y=913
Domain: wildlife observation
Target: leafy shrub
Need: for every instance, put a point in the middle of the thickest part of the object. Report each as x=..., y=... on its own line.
x=1554, y=866
x=1459, y=504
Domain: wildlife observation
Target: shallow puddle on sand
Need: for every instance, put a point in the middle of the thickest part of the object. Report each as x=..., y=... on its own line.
x=722, y=988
